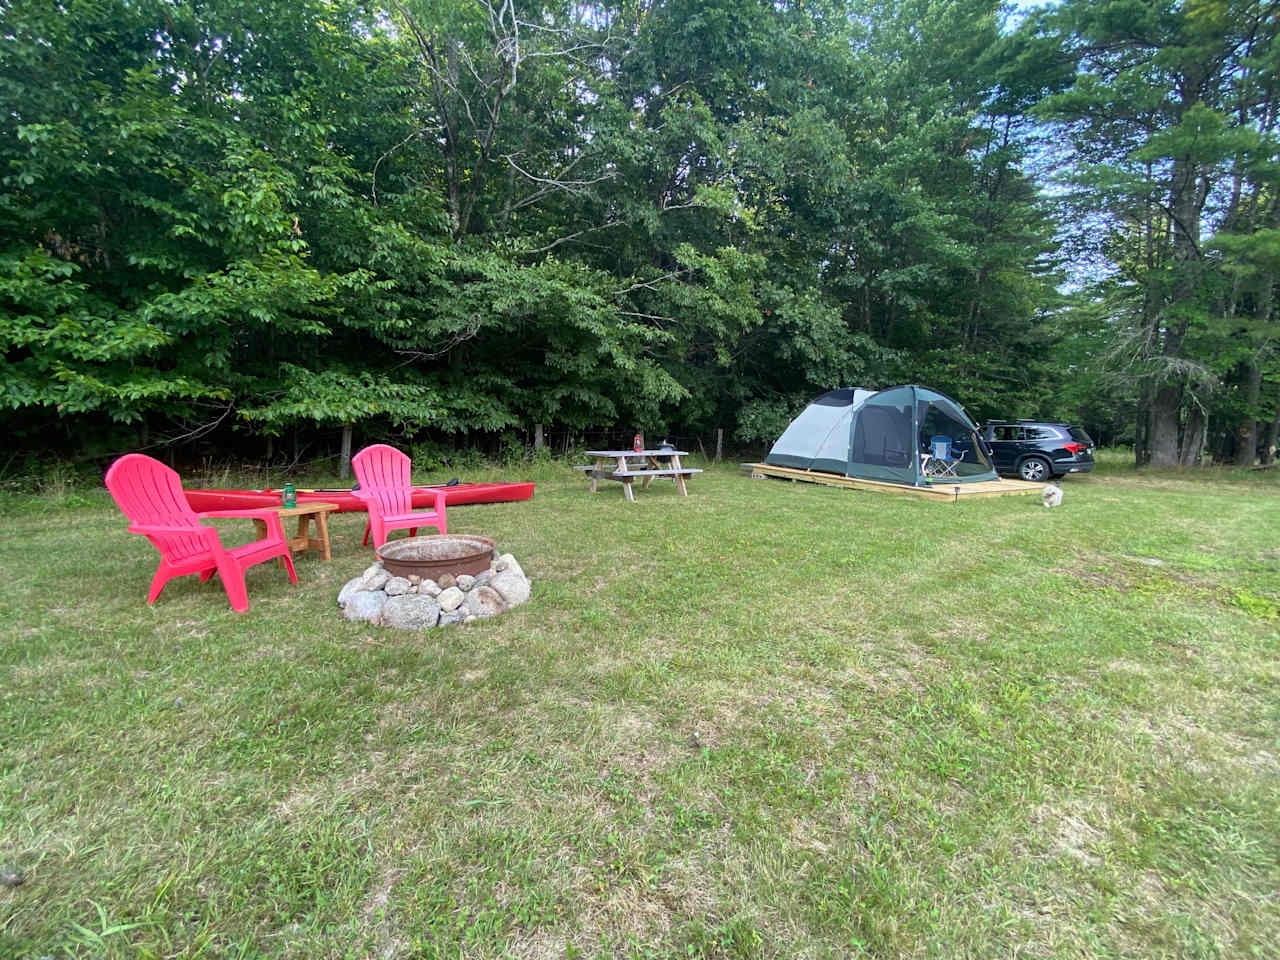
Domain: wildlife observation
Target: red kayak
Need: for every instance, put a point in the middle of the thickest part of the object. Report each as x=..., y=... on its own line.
x=459, y=493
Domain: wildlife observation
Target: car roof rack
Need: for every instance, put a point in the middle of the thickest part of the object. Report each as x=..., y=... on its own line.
x=1048, y=423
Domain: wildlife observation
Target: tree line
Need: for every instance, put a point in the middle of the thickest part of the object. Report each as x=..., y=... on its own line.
x=453, y=219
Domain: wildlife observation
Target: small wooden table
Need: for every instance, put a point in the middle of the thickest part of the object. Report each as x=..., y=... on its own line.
x=613, y=465
x=303, y=541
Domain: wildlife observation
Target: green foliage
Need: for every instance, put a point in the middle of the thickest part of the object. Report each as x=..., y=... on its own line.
x=431, y=216
x=1167, y=124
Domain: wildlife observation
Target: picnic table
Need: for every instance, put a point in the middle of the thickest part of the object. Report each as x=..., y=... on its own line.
x=625, y=465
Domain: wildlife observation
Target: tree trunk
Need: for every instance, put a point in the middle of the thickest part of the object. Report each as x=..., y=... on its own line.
x=344, y=458
x=1164, y=426
x=1247, y=430
x=719, y=443
x=1142, y=424
x=1194, y=438
x=537, y=437
x=1273, y=435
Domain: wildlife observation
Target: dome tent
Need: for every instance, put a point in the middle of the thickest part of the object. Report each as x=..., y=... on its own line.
x=880, y=436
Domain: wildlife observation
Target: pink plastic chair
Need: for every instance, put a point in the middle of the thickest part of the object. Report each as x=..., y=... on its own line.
x=383, y=473
x=150, y=495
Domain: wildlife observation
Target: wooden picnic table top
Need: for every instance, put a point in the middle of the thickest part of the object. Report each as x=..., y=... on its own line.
x=637, y=453
x=663, y=472
x=653, y=466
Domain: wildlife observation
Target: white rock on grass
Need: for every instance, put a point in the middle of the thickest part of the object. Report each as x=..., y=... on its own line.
x=450, y=616
x=450, y=599
x=365, y=605
x=430, y=588
x=411, y=612
x=485, y=602
x=350, y=587
x=375, y=580
x=511, y=582
x=510, y=563
x=466, y=582
x=396, y=587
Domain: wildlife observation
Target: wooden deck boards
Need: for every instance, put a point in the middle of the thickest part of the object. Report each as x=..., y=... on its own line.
x=942, y=490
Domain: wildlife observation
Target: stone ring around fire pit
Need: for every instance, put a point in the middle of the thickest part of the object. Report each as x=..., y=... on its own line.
x=424, y=582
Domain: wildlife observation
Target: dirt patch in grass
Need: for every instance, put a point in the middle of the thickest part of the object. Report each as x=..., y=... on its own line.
x=1076, y=828
x=1204, y=750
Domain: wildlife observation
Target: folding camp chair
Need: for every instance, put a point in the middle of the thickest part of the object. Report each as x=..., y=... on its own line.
x=939, y=463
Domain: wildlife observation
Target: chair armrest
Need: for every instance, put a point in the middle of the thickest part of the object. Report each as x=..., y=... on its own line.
x=438, y=497
x=165, y=530
x=259, y=513
x=267, y=515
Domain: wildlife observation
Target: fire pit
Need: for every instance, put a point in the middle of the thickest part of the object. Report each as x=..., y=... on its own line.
x=432, y=557
x=426, y=582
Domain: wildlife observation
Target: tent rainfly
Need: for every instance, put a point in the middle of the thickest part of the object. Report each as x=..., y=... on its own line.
x=882, y=436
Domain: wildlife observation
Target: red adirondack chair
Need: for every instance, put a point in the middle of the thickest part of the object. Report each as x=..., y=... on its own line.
x=150, y=495
x=383, y=473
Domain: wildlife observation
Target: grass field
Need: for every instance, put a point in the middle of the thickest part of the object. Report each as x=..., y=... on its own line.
x=766, y=720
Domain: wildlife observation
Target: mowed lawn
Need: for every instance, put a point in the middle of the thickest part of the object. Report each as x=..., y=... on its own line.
x=766, y=720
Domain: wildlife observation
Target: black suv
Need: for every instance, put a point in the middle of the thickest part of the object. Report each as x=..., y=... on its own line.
x=1037, y=451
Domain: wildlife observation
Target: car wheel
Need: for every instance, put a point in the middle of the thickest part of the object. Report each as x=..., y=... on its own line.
x=1034, y=470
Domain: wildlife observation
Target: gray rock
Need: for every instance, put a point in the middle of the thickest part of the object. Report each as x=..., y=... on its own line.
x=365, y=605
x=511, y=582
x=430, y=588
x=375, y=580
x=465, y=582
x=11, y=877
x=510, y=563
x=450, y=616
x=350, y=587
x=483, y=577
x=470, y=618
x=450, y=599
x=415, y=579
x=446, y=580
x=396, y=587
x=499, y=565
x=485, y=602
x=410, y=612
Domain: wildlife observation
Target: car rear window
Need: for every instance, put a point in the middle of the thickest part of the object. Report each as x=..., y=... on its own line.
x=1079, y=436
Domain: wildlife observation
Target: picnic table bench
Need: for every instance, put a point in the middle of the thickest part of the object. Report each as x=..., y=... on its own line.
x=617, y=465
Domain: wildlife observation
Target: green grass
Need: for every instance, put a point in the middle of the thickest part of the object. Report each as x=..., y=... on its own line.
x=768, y=720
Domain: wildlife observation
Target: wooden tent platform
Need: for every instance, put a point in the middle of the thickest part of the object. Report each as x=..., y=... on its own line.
x=942, y=490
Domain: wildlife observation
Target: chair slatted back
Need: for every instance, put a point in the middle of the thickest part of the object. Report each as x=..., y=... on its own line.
x=148, y=492
x=383, y=473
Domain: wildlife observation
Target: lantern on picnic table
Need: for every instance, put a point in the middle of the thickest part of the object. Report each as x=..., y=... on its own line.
x=638, y=444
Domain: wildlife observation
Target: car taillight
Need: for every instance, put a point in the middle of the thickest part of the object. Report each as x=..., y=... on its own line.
x=1075, y=447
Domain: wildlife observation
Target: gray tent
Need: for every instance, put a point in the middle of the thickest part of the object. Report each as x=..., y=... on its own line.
x=882, y=436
